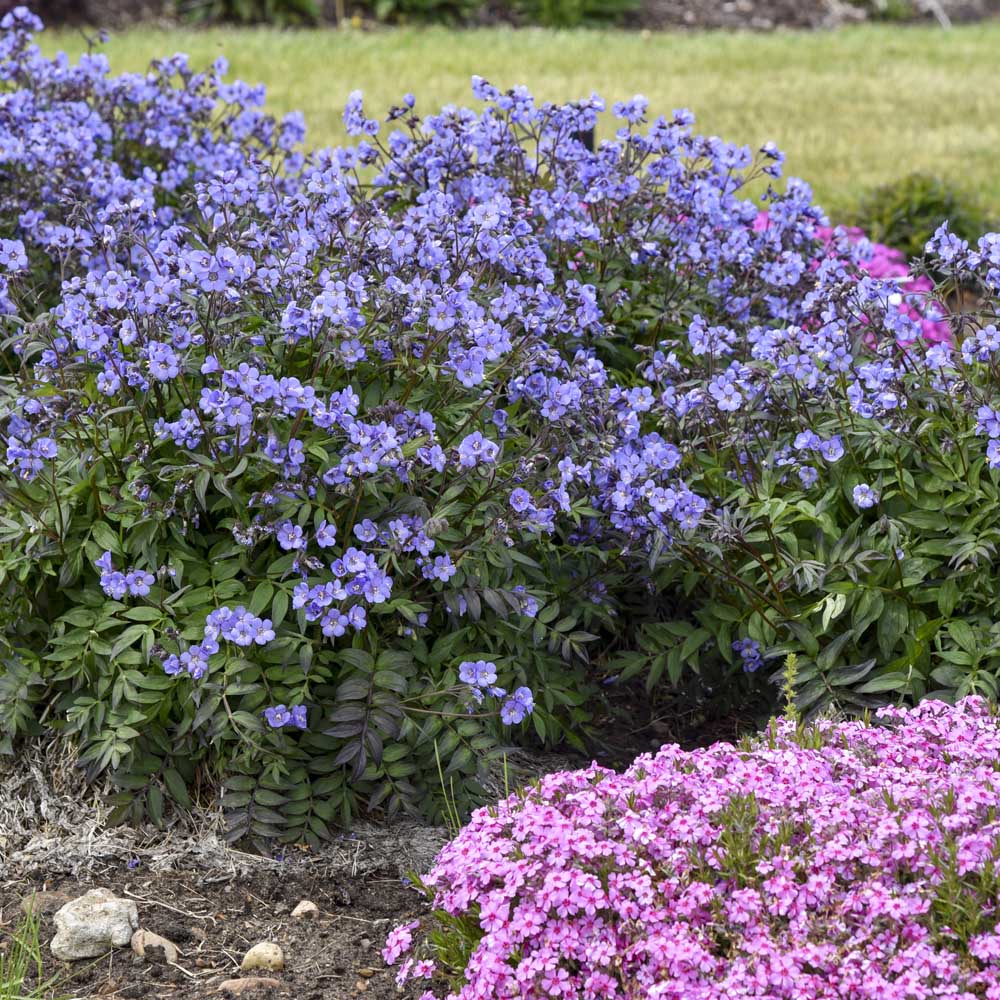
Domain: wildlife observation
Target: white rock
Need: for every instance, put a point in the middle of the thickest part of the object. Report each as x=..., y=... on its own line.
x=93, y=924
x=306, y=910
x=148, y=945
x=266, y=955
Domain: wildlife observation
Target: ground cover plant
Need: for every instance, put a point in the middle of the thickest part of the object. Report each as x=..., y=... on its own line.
x=844, y=860
x=329, y=476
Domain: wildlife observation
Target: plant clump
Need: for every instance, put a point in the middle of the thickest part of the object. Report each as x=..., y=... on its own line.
x=327, y=476
x=846, y=859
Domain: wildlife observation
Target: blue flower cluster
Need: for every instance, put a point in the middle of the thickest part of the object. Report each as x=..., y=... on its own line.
x=115, y=584
x=481, y=678
x=279, y=716
x=238, y=626
x=435, y=387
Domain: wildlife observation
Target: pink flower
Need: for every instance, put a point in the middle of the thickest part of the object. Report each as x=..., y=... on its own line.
x=783, y=871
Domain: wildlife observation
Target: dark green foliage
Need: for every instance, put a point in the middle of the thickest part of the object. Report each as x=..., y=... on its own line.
x=905, y=214
x=888, y=10
x=276, y=12
x=573, y=13
x=896, y=603
x=427, y=11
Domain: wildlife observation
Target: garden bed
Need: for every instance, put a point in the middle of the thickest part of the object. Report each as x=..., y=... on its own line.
x=753, y=15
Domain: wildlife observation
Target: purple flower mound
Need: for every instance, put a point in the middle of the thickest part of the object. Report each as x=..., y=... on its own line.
x=847, y=860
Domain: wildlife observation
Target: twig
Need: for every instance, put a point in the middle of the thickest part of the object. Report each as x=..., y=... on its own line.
x=156, y=902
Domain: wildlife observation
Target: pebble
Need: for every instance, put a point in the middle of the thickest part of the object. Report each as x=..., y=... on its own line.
x=42, y=904
x=306, y=910
x=266, y=955
x=154, y=948
x=235, y=987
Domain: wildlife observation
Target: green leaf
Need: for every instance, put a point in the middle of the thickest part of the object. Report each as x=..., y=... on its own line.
x=892, y=625
x=963, y=635
x=143, y=614
x=850, y=675
x=154, y=803
x=127, y=638
x=947, y=597
x=177, y=787
x=867, y=609
x=391, y=680
x=694, y=642
x=279, y=608
x=262, y=596
x=884, y=683
x=832, y=651
x=358, y=658
x=82, y=617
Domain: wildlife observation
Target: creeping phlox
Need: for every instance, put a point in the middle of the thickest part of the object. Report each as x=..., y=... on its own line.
x=853, y=861
x=432, y=387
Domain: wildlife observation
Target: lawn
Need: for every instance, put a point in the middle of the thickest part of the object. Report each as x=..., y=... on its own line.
x=851, y=108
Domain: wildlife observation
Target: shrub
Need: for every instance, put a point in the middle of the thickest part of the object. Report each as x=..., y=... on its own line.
x=433, y=11
x=844, y=860
x=574, y=13
x=327, y=476
x=890, y=10
x=906, y=214
x=276, y=12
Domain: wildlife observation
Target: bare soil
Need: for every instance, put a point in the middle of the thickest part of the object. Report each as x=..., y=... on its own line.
x=214, y=920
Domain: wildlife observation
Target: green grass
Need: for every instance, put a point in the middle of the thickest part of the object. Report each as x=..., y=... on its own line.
x=851, y=108
x=21, y=973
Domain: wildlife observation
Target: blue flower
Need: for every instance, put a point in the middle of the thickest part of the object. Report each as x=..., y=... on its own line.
x=517, y=707
x=865, y=496
x=291, y=536
x=326, y=535
x=477, y=673
x=277, y=716
x=366, y=531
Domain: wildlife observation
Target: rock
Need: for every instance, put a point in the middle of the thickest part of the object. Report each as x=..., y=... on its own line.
x=43, y=904
x=306, y=910
x=93, y=924
x=154, y=948
x=266, y=955
x=235, y=987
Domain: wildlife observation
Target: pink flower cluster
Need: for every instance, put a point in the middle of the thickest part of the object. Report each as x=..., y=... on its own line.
x=882, y=261
x=848, y=860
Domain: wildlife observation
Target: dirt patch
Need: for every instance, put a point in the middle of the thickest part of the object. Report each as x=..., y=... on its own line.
x=215, y=919
x=212, y=901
